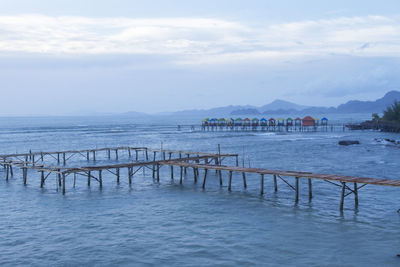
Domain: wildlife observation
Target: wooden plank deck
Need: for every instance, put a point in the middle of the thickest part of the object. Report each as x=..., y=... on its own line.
x=329, y=177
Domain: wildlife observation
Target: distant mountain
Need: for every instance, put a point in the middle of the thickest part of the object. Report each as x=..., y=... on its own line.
x=214, y=112
x=379, y=105
x=281, y=105
x=246, y=111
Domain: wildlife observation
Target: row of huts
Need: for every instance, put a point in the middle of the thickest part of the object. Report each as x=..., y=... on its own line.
x=306, y=121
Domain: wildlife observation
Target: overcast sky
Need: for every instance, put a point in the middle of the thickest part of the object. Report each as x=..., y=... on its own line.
x=69, y=57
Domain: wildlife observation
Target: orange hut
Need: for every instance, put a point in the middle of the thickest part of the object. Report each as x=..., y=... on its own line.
x=308, y=121
x=297, y=121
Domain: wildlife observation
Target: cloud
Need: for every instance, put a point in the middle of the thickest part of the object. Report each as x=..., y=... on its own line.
x=200, y=40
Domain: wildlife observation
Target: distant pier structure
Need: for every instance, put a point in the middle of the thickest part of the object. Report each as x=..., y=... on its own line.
x=306, y=124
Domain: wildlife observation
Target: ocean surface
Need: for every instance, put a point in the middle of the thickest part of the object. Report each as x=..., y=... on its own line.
x=168, y=224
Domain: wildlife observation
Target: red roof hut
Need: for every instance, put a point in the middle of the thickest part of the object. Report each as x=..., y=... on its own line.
x=308, y=121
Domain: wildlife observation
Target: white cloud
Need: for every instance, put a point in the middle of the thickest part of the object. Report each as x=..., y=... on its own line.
x=200, y=40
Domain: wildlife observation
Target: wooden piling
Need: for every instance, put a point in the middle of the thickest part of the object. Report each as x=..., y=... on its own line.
x=74, y=179
x=63, y=183
x=220, y=177
x=41, y=179
x=59, y=178
x=342, y=197
x=181, y=174
x=275, y=184
x=11, y=171
x=116, y=154
x=100, y=179
x=129, y=152
x=297, y=189
x=24, y=174
x=244, y=180
x=147, y=154
x=355, y=195
x=172, y=172
x=158, y=172
x=64, y=159
x=262, y=184
x=7, y=171
x=130, y=173
x=230, y=181
x=136, y=152
x=117, y=173
x=94, y=155
x=309, y=189
x=109, y=153
x=58, y=158
x=194, y=175
x=88, y=178
x=154, y=166
x=205, y=178
x=87, y=156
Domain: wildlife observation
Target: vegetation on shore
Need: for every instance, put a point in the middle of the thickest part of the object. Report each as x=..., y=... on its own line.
x=391, y=114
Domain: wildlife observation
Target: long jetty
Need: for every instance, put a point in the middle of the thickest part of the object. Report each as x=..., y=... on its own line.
x=154, y=159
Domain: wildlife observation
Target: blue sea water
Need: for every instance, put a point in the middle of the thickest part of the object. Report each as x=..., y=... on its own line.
x=168, y=224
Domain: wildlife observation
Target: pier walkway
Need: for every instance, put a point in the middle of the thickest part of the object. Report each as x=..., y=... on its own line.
x=47, y=163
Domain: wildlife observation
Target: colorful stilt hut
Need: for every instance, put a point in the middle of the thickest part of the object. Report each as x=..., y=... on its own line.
x=221, y=122
x=297, y=122
x=254, y=122
x=263, y=122
x=271, y=122
x=324, y=121
x=230, y=122
x=316, y=121
x=281, y=122
x=308, y=121
x=205, y=122
x=289, y=122
x=246, y=122
x=238, y=122
x=213, y=122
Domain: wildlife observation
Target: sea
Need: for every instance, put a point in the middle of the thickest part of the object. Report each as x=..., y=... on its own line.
x=165, y=223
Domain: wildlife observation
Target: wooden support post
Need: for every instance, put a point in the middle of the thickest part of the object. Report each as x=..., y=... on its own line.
x=262, y=184
x=26, y=160
x=237, y=161
x=11, y=171
x=230, y=181
x=59, y=178
x=195, y=175
x=169, y=155
x=136, y=154
x=41, y=179
x=58, y=158
x=342, y=197
x=94, y=155
x=297, y=189
x=244, y=179
x=24, y=174
x=181, y=175
x=87, y=156
x=116, y=154
x=100, y=179
x=220, y=177
x=154, y=166
x=74, y=179
x=41, y=156
x=130, y=173
x=108, y=153
x=275, y=184
x=172, y=172
x=117, y=172
x=184, y=170
x=309, y=189
x=88, y=178
x=205, y=178
x=158, y=172
x=129, y=152
x=33, y=160
x=163, y=155
x=355, y=195
x=63, y=183
x=7, y=171
x=147, y=154
x=64, y=159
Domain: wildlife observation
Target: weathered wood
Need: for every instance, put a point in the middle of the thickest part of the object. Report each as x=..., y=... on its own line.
x=94, y=155
x=230, y=181
x=262, y=184
x=116, y=154
x=195, y=175
x=117, y=174
x=244, y=180
x=297, y=189
x=154, y=166
x=172, y=172
x=342, y=196
x=309, y=189
x=158, y=172
x=130, y=173
x=41, y=179
x=74, y=179
x=63, y=183
x=64, y=159
x=109, y=153
x=100, y=179
x=24, y=175
x=205, y=178
x=355, y=195
x=181, y=175
x=275, y=184
x=147, y=154
x=89, y=176
x=220, y=177
x=137, y=156
x=7, y=171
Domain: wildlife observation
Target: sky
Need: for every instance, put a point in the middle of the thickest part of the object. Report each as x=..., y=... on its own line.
x=95, y=56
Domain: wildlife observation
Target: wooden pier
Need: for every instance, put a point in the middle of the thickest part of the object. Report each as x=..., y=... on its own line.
x=47, y=163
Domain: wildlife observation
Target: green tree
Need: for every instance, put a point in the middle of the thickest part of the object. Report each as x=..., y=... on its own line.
x=375, y=117
x=392, y=113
